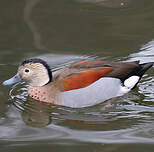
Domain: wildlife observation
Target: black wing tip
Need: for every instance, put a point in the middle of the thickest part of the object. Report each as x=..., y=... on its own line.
x=144, y=67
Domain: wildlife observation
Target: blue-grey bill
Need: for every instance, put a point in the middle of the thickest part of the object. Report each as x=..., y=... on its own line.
x=12, y=81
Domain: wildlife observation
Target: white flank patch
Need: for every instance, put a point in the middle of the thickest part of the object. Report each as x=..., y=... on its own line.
x=131, y=81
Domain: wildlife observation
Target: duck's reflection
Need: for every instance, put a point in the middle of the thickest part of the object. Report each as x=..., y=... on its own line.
x=36, y=114
x=39, y=114
x=27, y=17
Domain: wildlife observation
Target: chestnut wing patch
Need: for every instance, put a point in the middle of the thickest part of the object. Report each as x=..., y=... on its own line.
x=84, y=78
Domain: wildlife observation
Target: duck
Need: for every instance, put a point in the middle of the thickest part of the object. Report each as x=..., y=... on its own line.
x=80, y=84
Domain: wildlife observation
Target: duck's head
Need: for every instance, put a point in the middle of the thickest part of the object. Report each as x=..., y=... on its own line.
x=34, y=72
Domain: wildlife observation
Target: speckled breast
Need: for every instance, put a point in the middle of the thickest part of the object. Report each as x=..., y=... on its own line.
x=39, y=93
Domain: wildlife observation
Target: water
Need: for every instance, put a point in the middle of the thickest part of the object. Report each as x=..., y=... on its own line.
x=62, y=32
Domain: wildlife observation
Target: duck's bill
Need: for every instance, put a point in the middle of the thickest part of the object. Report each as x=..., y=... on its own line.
x=13, y=80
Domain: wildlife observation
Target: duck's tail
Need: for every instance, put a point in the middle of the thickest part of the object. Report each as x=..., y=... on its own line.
x=133, y=78
x=143, y=68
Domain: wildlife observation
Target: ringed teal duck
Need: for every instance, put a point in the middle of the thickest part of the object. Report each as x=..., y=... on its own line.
x=81, y=84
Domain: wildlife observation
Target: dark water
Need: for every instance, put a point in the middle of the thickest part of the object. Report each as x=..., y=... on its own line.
x=62, y=31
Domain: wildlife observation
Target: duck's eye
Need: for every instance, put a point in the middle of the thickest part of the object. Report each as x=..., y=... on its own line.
x=27, y=70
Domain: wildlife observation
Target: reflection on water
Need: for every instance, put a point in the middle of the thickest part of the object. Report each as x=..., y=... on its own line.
x=120, y=123
x=123, y=122
x=109, y=3
x=145, y=55
x=27, y=17
x=128, y=120
x=147, y=88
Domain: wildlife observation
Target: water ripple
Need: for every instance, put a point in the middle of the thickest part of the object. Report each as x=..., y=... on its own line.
x=128, y=120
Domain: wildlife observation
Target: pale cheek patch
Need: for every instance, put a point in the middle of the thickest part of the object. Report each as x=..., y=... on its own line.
x=131, y=81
